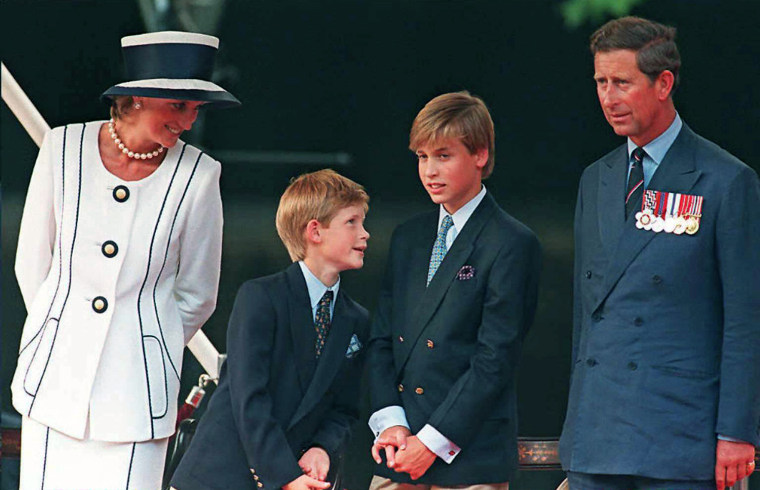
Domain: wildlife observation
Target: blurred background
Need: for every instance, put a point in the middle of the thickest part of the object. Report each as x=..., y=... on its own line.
x=337, y=84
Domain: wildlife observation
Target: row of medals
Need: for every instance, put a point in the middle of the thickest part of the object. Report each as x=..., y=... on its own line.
x=646, y=220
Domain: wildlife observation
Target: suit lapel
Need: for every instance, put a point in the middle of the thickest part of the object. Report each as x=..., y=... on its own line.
x=611, y=200
x=301, y=325
x=341, y=329
x=676, y=173
x=453, y=261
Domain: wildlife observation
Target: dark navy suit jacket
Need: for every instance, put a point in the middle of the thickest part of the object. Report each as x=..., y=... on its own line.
x=274, y=399
x=448, y=353
x=666, y=336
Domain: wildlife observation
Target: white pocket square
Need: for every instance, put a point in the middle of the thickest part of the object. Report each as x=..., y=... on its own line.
x=353, y=347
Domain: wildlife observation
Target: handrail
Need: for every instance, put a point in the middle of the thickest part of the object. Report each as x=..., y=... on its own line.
x=36, y=126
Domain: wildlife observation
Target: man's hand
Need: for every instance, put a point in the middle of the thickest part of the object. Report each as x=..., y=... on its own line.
x=415, y=459
x=732, y=462
x=305, y=482
x=315, y=463
x=391, y=439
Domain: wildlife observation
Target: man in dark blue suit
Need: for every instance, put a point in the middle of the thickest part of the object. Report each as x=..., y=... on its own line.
x=665, y=388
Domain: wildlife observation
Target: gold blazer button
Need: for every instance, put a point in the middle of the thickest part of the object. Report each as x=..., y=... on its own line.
x=419, y=390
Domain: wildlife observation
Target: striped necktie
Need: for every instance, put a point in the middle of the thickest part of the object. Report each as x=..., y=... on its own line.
x=635, y=191
x=439, y=247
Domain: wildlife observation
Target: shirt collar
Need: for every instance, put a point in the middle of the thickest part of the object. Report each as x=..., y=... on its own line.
x=463, y=214
x=658, y=147
x=316, y=287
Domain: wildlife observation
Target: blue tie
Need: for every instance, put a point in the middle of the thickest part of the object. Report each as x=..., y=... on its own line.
x=439, y=247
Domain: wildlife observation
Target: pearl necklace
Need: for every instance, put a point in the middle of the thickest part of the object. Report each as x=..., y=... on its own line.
x=130, y=153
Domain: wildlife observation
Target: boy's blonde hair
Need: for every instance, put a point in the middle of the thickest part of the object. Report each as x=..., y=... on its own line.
x=456, y=115
x=316, y=195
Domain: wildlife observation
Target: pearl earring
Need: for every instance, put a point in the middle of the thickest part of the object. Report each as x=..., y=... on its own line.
x=138, y=105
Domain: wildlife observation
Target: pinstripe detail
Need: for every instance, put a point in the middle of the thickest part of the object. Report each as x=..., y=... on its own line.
x=71, y=260
x=131, y=460
x=140, y=293
x=60, y=251
x=44, y=457
x=166, y=255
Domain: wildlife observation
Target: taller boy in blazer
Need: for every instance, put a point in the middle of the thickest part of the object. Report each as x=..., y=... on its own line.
x=458, y=297
x=666, y=334
x=288, y=391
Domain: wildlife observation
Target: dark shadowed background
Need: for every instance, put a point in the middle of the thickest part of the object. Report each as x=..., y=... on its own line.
x=337, y=84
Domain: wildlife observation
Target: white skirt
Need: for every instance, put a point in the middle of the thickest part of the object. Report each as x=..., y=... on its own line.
x=54, y=461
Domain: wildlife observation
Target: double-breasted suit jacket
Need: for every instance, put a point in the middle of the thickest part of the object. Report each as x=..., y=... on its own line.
x=666, y=337
x=448, y=353
x=117, y=276
x=275, y=399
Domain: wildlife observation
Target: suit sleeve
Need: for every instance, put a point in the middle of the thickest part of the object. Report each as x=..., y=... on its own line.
x=197, y=283
x=577, y=295
x=335, y=430
x=508, y=309
x=738, y=250
x=382, y=373
x=250, y=336
x=36, y=236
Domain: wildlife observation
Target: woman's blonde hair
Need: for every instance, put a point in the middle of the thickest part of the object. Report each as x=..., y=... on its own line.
x=316, y=195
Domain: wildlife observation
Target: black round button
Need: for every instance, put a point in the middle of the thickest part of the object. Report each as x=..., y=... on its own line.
x=656, y=279
x=633, y=366
x=100, y=304
x=591, y=362
x=120, y=193
x=588, y=274
x=109, y=249
x=638, y=321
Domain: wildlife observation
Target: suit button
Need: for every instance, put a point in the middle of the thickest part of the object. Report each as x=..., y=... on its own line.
x=99, y=304
x=633, y=366
x=110, y=249
x=591, y=362
x=400, y=387
x=656, y=279
x=259, y=484
x=256, y=477
x=588, y=274
x=419, y=390
x=430, y=344
x=400, y=338
x=638, y=321
x=597, y=317
x=120, y=193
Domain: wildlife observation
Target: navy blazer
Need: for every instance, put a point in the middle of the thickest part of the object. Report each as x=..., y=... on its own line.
x=274, y=399
x=666, y=332
x=448, y=353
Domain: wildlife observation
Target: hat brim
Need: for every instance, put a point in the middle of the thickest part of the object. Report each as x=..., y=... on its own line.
x=214, y=99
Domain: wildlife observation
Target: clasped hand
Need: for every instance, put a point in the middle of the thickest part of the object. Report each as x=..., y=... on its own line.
x=404, y=453
x=315, y=464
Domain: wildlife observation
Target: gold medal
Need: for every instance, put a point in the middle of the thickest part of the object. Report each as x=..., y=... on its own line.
x=692, y=225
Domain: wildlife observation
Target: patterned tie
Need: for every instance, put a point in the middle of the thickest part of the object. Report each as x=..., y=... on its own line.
x=439, y=247
x=322, y=322
x=635, y=190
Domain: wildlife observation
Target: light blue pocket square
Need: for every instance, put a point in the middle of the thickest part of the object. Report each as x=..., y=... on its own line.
x=353, y=347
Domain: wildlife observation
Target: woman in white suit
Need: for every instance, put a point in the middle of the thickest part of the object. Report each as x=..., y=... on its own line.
x=118, y=263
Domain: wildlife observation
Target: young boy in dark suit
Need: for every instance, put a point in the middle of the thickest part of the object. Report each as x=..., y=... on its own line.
x=287, y=394
x=458, y=297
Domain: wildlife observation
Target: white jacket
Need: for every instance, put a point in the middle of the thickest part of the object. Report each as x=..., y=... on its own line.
x=117, y=277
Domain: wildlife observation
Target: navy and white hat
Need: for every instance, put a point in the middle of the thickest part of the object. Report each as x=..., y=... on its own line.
x=171, y=65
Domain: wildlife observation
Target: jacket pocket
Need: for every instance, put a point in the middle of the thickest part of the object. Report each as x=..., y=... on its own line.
x=155, y=364
x=40, y=354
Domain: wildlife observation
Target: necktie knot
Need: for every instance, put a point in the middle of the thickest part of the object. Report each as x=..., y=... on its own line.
x=638, y=155
x=326, y=298
x=439, y=247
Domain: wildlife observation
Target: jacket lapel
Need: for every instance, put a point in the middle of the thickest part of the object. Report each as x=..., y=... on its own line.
x=455, y=258
x=676, y=173
x=611, y=200
x=333, y=355
x=301, y=325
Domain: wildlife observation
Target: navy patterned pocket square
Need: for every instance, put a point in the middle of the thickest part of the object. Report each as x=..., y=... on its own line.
x=353, y=347
x=466, y=273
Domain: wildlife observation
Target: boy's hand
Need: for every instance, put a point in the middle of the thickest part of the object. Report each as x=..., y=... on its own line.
x=390, y=439
x=305, y=482
x=415, y=459
x=315, y=463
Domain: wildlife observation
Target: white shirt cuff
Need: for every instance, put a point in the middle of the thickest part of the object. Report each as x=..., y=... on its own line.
x=438, y=443
x=387, y=417
x=729, y=439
